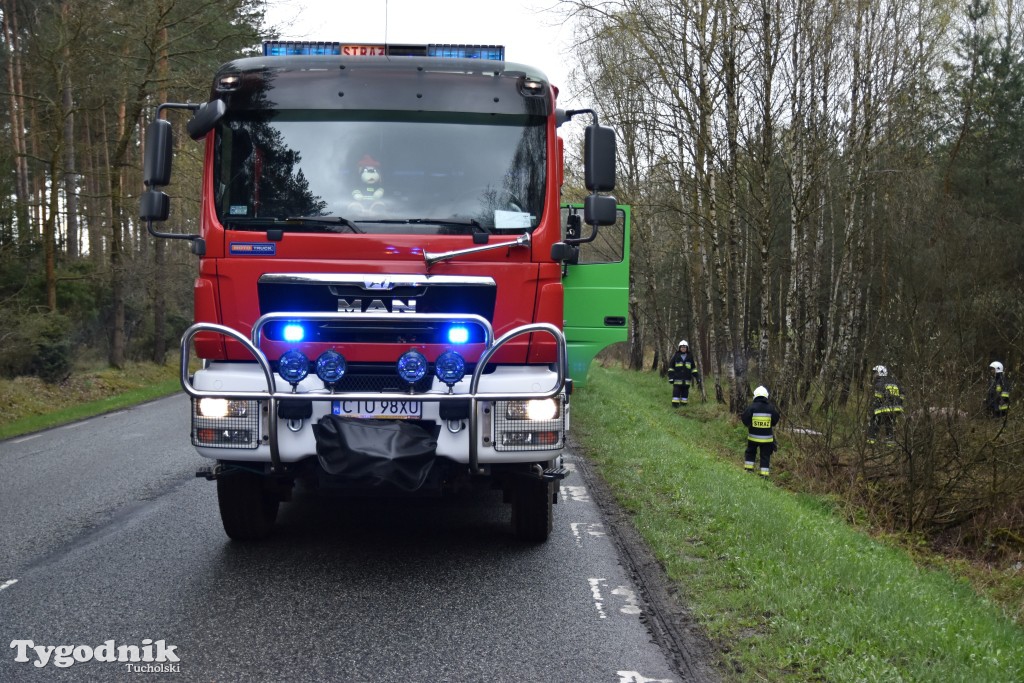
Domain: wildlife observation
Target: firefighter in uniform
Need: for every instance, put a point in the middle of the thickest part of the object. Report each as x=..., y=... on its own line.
x=997, y=400
x=682, y=370
x=760, y=417
x=886, y=406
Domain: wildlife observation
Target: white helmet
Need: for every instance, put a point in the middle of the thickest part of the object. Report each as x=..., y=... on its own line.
x=683, y=342
x=880, y=370
x=996, y=365
x=760, y=392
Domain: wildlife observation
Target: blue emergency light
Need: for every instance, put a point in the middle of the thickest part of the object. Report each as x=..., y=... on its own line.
x=294, y=332
x=494, y=52
x=284, y=48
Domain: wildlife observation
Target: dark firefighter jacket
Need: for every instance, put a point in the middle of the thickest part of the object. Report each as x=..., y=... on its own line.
x=886, y=397
x=682, y=368
x=998, y=398
x=760, y=417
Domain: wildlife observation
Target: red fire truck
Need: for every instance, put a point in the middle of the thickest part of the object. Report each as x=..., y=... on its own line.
x=385, y=274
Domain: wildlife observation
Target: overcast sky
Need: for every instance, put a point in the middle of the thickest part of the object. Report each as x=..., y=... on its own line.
x=530, y=33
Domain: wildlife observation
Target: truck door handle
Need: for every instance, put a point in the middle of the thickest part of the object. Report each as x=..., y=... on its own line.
x=614, y=321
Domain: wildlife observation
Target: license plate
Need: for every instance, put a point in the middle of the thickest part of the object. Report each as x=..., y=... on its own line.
x=389, y=409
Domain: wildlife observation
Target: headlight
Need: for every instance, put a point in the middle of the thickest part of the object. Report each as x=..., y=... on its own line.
x=225, y=423
x=532, y=425
x=221, y=407
x=536, y=410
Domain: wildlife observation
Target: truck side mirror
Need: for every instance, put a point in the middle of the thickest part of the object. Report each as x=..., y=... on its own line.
x=206, y=117
x=599, y=158
x=565, y=253
x=154, y=205
x=599, y=210
x=156, y=169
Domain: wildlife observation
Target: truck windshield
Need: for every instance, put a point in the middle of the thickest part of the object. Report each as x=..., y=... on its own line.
x=380, y=172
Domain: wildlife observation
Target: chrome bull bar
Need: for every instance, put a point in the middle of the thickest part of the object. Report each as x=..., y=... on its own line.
x=272, y=396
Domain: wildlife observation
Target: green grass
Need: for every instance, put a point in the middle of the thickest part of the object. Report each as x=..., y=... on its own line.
x=29, y=405
x=783, y=586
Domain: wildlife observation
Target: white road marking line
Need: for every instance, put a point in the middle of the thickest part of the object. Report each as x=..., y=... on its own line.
x=635, y=677
x=595, y=591
x=8, y=584
x=27, y=438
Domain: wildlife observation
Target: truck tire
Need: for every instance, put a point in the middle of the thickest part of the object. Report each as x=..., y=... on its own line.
x=532, y=512
x=248, y=510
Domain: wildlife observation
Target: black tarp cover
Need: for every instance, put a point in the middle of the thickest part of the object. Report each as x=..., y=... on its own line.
x=375, y=451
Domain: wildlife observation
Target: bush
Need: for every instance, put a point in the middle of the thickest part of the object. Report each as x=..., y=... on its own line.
x=40, y=345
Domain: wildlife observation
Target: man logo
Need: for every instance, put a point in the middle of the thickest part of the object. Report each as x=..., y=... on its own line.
x=376, y=306
x=383, y=283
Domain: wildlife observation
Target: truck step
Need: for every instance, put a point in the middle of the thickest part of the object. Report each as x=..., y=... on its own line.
x=555, y=474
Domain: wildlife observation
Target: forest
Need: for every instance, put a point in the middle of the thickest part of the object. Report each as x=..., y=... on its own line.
x=822, y=187
x=818, y=187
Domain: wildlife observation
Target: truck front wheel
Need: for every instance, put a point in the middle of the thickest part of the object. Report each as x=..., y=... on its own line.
x=248, y=509
x=532, y=512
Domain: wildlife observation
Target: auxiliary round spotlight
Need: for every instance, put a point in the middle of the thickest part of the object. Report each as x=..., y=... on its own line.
x=412, y=366
x=293, y=366
x=450, y=367
x=330, y=367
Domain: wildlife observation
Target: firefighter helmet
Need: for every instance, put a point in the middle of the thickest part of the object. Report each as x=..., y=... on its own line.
x=880, y=370
x=683, y=342
x=760, y=392
x=996, y=365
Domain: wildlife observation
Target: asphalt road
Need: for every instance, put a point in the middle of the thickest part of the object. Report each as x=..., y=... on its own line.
x=106, y=535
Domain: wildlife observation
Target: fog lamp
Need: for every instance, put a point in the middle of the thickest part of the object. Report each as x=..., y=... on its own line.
x=293, y=366
x=450, y=367
x=412, y=366
x=330, y=367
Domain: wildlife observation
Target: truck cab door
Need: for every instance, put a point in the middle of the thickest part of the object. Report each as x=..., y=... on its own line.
x=596, y=293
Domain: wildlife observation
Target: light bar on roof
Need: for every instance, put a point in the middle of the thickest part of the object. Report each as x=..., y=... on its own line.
x=495, y=52
x=282, y=48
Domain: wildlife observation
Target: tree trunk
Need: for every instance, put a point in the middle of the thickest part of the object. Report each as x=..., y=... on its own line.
x=15, y=90
x=50, y=234
x=70, y=169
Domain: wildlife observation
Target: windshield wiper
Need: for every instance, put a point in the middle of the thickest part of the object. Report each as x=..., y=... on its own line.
x=472, y=224
x=328, y=221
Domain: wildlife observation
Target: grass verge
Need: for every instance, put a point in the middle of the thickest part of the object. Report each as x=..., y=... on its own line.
x=28, y=405
x=785, y=588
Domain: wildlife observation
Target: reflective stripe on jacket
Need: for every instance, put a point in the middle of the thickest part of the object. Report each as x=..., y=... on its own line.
x=761, y=428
